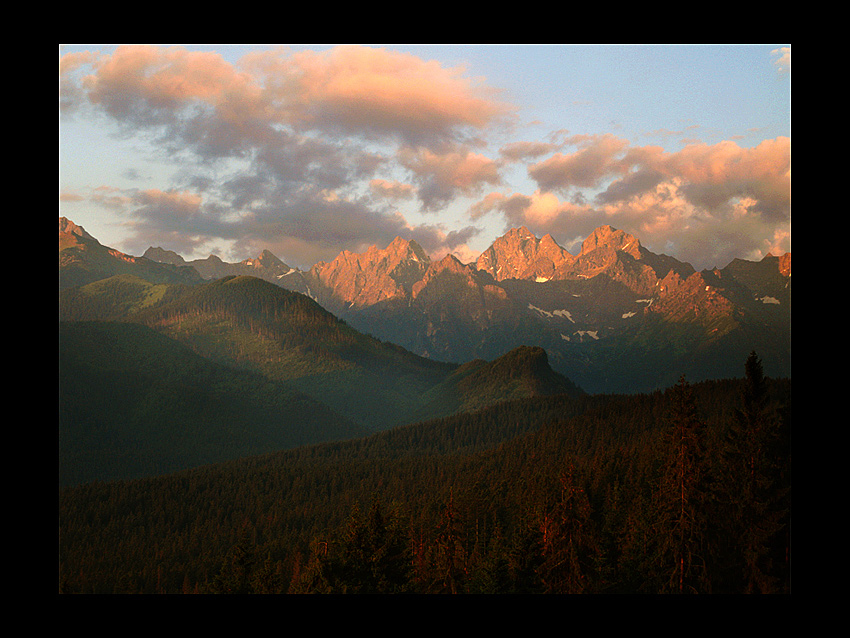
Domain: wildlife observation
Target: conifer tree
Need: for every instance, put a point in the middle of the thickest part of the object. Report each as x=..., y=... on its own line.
x=752, y=496
x=235, y=574
x=370, y=555
x=570, y=550
x=680, y=525
x=492, y=572
x=449, y=569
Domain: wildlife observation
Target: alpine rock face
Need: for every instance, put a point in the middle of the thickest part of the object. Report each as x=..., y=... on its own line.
x=616, y=317
x=356, y=281
x=520, y=255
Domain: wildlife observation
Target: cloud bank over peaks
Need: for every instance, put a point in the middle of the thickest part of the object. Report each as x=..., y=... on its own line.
x=719, y=201
x=267, y=139
x=311, y=152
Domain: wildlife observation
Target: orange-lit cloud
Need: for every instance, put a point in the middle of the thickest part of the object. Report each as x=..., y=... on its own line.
x=783, y=59
x=596, y=159
x=391, y=189
x=267, y=138
x=374, y=90
x=285, y=116
x=442, y=176
x=138, y=78
x=720, y=201
x=180, y=204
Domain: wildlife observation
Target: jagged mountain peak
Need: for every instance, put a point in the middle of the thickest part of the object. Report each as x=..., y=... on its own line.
x=399, y=250
x=376, y=275
x=68, y=227
x=609, y=237
x=73, y=236
x=83, y=259
x=407, y=247
x=783, y=263
x=267, y=259
x=451, y=262
x=520, y=235
x=519, y=254
x=163, y=256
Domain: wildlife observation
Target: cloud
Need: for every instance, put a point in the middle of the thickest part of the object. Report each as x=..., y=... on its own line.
x=714, y=175
x=391, y=189
x=719, y=201
x=301, y=229
x=596, y=159
x=711, y=176
x=359, y=90
x=783, y=59
x=275, y=148
x=443, y=176
x=518, y=151
x=308, y=152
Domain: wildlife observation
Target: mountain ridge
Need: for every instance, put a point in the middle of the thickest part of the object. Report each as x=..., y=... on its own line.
x=615, y=302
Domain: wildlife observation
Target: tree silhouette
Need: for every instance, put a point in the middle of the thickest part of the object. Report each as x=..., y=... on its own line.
x=570, y=550
x=752, y=494
x=681, y=500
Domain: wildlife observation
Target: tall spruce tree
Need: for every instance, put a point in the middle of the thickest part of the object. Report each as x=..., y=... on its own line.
x=752, y=494
x=571, y=554
x=680, y=517
x=449, y=558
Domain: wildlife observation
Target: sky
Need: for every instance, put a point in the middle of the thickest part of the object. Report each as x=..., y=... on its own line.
x=311, y=150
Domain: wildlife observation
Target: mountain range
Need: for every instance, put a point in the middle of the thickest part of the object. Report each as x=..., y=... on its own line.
x=153, y=365
x=614, y=318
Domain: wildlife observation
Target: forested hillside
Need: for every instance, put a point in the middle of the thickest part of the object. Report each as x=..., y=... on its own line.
x=684, y=491
x=135, y=403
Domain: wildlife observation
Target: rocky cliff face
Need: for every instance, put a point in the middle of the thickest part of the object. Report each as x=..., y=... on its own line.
x=70, y=233
x=266, y=266
x=616, y=240
x=520, y=255
x=361, y=280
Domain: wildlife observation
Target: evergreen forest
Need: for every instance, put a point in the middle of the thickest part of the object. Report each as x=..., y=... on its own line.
x=680, y=491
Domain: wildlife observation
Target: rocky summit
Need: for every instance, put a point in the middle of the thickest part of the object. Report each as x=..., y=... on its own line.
x=520, y=255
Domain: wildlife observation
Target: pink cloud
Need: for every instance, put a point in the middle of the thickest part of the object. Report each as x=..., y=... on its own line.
x=443, y=175
x=136, y=77
x=596, y=160
x=357, y=88
x=726, y=170
x=709, y=176
x=391, y=189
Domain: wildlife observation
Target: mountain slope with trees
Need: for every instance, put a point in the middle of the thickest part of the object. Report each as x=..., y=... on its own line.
x=165, y=377
x=541, y=495
x=135, y=403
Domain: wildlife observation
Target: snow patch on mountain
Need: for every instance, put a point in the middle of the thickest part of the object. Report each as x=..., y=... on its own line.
x=582, y=333
x=565, y=314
